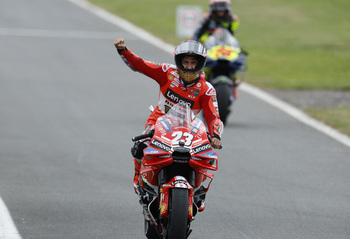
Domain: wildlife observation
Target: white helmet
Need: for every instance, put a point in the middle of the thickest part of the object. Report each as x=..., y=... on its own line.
x=190, y=48
x=220, y=5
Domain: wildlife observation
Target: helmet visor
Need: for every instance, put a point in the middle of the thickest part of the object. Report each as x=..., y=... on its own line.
x=190, y=47
x=220, y=6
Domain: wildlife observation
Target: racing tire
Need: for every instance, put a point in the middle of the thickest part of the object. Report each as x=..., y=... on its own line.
x=223, y=94
x=177, y=227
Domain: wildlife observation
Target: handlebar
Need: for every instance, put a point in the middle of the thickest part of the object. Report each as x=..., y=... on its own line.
x=143, y=136
x=209, y=138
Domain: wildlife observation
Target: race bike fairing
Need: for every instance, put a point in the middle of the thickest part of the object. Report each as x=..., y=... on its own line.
x=179, y=130
x=174, y=177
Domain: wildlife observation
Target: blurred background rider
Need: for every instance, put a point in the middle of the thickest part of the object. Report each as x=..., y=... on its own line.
x=219, y=15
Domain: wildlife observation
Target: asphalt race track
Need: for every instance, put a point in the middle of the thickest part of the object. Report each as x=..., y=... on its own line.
x=69, y=107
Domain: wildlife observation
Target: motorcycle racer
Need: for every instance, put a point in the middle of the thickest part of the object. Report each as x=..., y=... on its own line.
x=219, y=15
x=184, y=82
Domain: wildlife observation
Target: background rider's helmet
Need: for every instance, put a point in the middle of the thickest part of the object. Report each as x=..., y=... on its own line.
x=220, y=5
x=190, y=48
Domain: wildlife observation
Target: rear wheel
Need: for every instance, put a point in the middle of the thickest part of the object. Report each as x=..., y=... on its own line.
x=178, y=214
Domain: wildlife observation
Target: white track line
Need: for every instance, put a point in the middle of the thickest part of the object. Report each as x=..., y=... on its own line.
x=8, y=229
x=127, y=26
x=32, y=32
x=283, y=106
x=296, y=113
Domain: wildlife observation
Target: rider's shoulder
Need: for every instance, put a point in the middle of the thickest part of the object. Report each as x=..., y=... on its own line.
x=167, y=67
x=203, y=83
x=208, y=89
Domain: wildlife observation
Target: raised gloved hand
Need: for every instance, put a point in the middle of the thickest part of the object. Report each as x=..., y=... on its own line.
x=119, y=43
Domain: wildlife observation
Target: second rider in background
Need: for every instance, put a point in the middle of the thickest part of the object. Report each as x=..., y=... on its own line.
x=219, y=15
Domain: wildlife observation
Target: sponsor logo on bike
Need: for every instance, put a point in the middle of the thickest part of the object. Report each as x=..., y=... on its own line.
x=160, y=145
x=201, y=148
x=165, y=125
x=181, y=183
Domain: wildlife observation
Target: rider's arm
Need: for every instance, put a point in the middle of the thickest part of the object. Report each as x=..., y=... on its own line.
x=234, y=23
x=209, y=105
x=136, y=63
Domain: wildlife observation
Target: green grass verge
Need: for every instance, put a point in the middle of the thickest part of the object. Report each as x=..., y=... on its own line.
x=337, y=117
x=300, y=44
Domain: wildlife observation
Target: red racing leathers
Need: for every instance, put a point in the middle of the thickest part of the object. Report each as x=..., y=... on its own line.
x=198, y=95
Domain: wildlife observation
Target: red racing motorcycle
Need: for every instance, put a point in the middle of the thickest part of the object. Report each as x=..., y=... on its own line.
x=174, y=177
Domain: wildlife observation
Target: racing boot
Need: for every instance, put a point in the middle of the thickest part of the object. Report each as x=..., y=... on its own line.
x=144, y=198
x=201, y=203
x=136, y=176
x=200, y=199
x=202, y=207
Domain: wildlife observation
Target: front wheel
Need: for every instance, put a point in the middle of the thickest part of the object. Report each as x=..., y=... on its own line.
x=177, y=227
x=223, y=93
